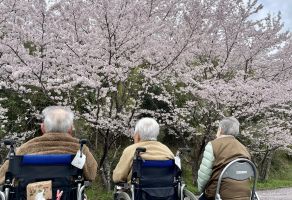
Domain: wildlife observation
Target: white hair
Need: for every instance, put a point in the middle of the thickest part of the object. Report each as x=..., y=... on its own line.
x=57, y=119
x=229, y=126
x=147, y=128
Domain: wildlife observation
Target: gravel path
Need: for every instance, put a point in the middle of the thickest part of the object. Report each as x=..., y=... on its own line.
x=278, y=194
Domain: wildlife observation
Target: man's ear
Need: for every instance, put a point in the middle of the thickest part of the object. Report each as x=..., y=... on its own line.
x=43, y=128
x=137, y=138
x=70, y=131
x=219, y=132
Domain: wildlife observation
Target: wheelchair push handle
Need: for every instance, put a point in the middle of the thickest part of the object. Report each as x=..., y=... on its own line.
x=82, y=141
x=9, y=142
x=138, y=151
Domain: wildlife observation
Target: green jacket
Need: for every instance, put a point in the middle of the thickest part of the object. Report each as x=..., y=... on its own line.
x=206, y=166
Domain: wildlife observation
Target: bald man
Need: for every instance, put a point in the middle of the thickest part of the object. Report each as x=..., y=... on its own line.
x=56, y=139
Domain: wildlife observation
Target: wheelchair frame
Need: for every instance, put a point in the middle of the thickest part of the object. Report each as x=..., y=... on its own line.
x=121, y=187
x=246, y=170
x=8, y=184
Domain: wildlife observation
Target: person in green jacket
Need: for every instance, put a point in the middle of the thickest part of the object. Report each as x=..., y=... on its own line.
x=218, y=153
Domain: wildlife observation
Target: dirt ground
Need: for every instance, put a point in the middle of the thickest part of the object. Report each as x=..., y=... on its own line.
x=278, y=194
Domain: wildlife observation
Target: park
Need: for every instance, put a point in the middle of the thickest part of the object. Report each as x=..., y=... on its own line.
x=186, y=63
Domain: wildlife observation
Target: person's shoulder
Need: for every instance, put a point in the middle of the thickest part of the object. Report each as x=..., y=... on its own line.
x=54, y=137
x=242, y=145
x=161, y=144
x=225, y=138
x=164, y=148
x=61, y=136
x=239, y=143
x=131, y=148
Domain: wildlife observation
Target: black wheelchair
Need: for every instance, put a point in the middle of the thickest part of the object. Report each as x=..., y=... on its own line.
x=26, y=169
x=153, y=180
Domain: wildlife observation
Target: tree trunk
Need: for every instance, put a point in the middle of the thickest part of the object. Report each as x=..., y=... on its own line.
x=198, y=145
x=106, y=175
x=105, y=165
x=265, y=165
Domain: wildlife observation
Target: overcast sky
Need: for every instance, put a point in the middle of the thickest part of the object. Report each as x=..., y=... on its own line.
x=273, y=6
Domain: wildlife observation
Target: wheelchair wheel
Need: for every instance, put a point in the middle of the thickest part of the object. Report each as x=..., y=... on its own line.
x=188, y=195
x=122, y=196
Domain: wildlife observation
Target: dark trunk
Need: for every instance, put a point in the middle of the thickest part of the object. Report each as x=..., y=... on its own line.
x=265, y=165
x=105, y=169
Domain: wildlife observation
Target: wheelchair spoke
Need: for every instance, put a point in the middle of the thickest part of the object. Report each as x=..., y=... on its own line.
x=122, y=196
x=188, y=195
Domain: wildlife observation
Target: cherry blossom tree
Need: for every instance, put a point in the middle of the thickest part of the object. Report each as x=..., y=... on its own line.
x=185, y=62
x=99, y=57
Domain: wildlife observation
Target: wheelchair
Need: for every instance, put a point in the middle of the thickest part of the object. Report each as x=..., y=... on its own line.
x=239, y=169
x=31, y=168
x=153, y=180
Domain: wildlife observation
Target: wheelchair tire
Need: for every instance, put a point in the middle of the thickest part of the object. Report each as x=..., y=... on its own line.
x=188, y=195
x=122, y=196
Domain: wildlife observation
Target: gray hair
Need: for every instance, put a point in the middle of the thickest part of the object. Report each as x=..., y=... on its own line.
x=229, y=126
x=57, y=119
x=147, y=128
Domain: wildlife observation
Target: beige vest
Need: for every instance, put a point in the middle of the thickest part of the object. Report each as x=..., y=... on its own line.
x=226, y=149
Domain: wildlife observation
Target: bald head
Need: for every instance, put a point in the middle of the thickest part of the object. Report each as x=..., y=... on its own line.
x=57, y=119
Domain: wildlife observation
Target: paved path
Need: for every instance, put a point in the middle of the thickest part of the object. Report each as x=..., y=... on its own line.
x=278, y=194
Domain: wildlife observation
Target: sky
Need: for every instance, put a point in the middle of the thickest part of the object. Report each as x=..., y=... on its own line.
x=273, y=6
x=270, y=6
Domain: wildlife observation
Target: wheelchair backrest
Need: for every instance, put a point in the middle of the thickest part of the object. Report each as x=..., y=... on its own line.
x=157, y=173
x=239, y=169
x=154, y=179
x=42, y=166
x=28, y=169
x=153, y=173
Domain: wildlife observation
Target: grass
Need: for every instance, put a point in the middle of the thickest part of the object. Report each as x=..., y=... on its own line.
x=280, y=175
x=274, y=184
x=96, y=192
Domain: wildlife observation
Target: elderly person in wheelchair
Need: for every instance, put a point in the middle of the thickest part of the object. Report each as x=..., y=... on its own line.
x=147, y=169
x=222, y=152
x=49, y=158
